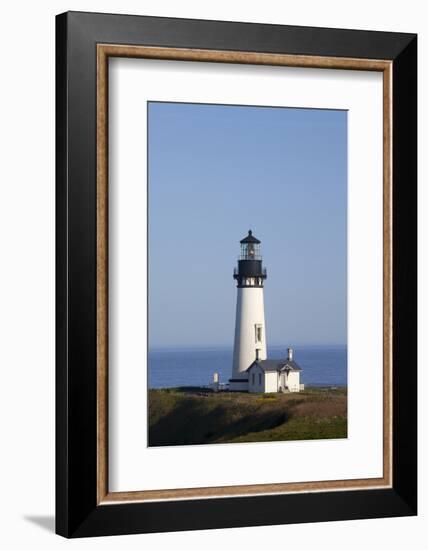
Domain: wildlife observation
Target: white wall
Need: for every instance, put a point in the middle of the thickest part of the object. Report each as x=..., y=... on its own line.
x=250, y=312
x=271, y=382
x=256, y=387
x=294, y=381
x=27, y=272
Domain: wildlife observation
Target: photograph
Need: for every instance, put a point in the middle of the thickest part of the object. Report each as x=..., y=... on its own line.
x=247, y=273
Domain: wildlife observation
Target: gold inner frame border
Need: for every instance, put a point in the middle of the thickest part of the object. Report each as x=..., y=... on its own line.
x=104, y=52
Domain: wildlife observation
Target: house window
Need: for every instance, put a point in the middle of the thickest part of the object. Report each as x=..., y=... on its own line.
x=260, y=379
x=258, y=333
x=253, y=376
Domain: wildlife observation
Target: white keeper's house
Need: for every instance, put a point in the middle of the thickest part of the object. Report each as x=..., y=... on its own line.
x=252, y=371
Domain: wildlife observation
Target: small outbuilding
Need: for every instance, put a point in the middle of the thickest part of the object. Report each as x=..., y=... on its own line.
x=274, y=375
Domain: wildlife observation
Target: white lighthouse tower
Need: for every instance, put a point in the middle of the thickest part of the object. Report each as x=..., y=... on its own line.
x=250, y=332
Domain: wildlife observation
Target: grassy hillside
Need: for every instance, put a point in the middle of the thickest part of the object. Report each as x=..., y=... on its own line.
x=192, y=416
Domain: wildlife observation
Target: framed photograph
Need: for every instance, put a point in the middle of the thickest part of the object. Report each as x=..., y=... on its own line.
x=236, y=274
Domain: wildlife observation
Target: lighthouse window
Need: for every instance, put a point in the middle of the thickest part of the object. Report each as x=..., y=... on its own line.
x=260, y=379
x=258, y=333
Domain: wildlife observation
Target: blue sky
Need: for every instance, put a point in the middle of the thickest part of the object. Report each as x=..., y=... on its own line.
x=216, y=171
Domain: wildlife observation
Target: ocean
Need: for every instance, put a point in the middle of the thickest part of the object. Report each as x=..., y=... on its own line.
x=321, y=365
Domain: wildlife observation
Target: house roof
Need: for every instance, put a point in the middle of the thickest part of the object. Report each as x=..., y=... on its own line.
x=291, y=365
x=269, y=365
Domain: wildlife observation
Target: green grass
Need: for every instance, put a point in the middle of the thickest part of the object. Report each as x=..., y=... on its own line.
x=192, y=416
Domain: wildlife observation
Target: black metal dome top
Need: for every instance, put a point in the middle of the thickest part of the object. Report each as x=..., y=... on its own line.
x=250, y=238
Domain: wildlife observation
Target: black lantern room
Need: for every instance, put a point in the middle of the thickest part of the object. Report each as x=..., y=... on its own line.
x=250, y=272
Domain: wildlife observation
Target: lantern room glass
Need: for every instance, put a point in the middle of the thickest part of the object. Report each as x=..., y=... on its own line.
x=250, y=251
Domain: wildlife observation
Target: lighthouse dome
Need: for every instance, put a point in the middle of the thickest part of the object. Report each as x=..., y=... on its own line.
x=250, y=239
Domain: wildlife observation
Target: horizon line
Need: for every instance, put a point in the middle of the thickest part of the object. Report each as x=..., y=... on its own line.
x=230, y=346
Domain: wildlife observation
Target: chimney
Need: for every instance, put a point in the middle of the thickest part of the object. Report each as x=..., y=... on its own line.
x=257, y=354
x=290, y=354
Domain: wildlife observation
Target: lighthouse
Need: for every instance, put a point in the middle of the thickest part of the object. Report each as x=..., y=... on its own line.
x=252, y=371
x=250, y=331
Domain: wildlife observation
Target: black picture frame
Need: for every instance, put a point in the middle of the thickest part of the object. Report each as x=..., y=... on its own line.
x=77, y=511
